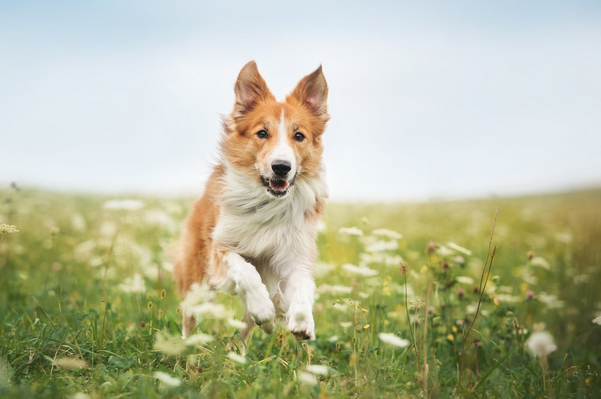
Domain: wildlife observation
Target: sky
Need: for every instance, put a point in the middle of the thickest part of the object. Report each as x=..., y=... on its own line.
x=429, y=100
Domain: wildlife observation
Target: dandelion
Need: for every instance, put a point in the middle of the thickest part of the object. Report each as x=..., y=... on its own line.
x=69, y=363
x=317, y=369
x=597, y=320
x=133, y=284
x=236, y=358
x=126, y=204
x=451, y=337
x=167, y=379
x=351, y=231
x=306, y=378
x=529, y=294
x=541, y=344
x=360, y=270
x=392, y=339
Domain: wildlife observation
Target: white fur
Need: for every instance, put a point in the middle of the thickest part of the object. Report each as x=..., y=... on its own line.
x=283, y=151
x=271, y=246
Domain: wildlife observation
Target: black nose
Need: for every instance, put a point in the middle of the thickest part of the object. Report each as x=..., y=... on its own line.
x=281, y=168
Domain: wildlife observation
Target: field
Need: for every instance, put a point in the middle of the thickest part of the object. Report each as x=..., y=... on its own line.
x=88, y=307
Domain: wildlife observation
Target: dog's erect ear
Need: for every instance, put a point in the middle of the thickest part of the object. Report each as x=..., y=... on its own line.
x=312, y=91
x=250, y=89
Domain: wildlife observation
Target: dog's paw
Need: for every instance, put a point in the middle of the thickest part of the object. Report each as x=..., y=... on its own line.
x=300, y=322
x=262, y=311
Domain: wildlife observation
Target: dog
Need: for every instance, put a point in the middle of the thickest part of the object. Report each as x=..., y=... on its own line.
x=253, y=232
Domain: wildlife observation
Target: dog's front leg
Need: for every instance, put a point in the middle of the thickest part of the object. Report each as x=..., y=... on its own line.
x=243, y=278
x=300, y=293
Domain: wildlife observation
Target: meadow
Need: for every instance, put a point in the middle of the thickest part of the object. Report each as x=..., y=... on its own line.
x=88, y=308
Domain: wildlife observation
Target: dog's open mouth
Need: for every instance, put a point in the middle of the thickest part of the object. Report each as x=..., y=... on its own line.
x=277, y=187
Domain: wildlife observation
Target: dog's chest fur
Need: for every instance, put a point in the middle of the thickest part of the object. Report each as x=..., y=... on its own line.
x=272, y=232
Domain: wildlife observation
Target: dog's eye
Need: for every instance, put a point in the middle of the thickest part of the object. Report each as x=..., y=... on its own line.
x=262, y=134
x=298, y=136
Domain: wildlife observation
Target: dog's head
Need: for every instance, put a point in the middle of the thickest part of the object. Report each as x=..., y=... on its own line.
x=276, y=143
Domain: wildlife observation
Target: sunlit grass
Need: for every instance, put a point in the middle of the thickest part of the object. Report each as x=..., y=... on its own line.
x=88, y=306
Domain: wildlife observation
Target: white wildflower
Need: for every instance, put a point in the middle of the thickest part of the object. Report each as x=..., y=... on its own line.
x=321, y=268
x=317, y=369
x=415, y=303
x=81, y=395
x=360, y=270
x=126, y=204
x=508, y=298
x=597, y=320
x=306, y=378
x=236, y=358
x=78, y=222
x=240, y=325
x=346, y=324
x=541, y=262
x=169, y=345
x=444, y=251
x=351, y=231
x=464, y=280
x=393, y=340
x=198, y=339
x=6, y=230
x=69, y=363
x=210, y=310
x=333, y=338
x=551, y=301
x=565, y=238
x=390, y=234
x=459, y=249
x=334, y=289
x=380, y=246
x=343, y=307
x=541, y=344
x=167, y=379
x=133, y=284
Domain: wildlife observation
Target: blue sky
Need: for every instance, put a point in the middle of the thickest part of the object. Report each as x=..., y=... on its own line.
x=428, y=99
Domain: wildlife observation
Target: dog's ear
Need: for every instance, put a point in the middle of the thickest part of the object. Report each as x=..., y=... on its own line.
x=312, y=91
x=250, y=89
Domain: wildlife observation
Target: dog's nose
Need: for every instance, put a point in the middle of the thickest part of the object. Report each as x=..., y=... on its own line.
x=281, y=168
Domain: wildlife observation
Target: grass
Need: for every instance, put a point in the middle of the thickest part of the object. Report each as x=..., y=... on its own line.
x=75, y=324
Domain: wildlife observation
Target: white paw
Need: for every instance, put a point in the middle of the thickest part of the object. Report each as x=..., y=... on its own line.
x=261, y=309
x=300, y=322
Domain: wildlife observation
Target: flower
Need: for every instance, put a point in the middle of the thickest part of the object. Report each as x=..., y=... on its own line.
x=126, y=204
x=306, y=378
x=210, y=310
x=415, y=303
x=431, y=247
x=133, y=284
x=236, y=358
x=393, y=235
x=379, y=246
x=167, y=379
x=529, y=294
x=393, y=340
x=351, y=231
x=464, y=280
x=541, y=344
x=431, y=309
x=460, y=260
x=404, y=267
x=169, y=345
x=530, y=255
x=6, y=230
x=460, y=292
x=360, y=270
x=459, y=249
x=198, y=339
x=317, y=369
x=237, y=324
x=69, y=363
x=597, y=320
x=551, y=301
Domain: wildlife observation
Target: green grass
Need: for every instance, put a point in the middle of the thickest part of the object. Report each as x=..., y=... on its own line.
x=68, y=328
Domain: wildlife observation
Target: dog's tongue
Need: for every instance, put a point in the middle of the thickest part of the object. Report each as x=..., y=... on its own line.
x=278, y=185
